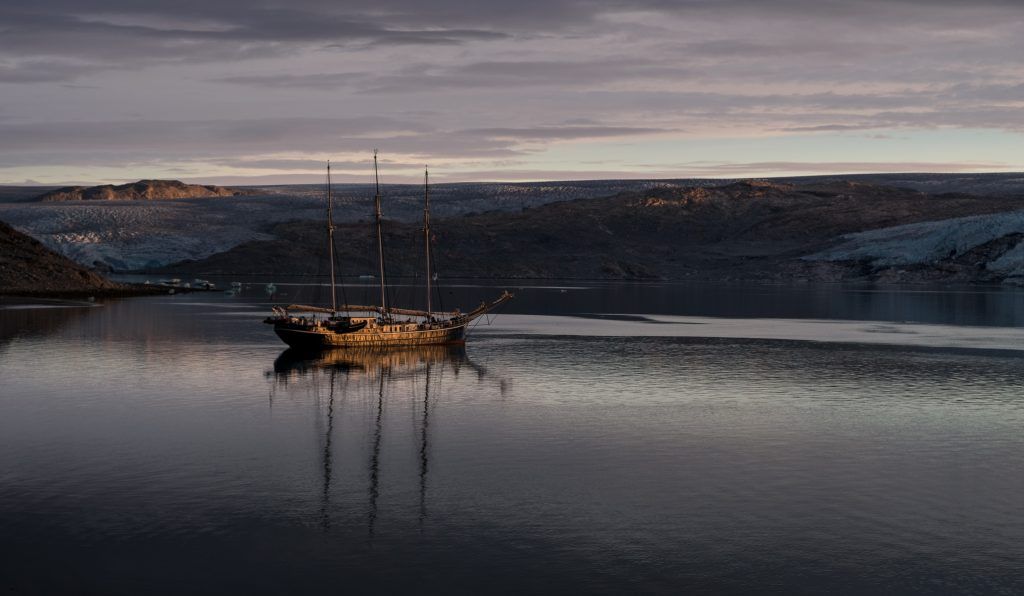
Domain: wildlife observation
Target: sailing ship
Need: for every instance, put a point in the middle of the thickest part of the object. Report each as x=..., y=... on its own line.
x=381, y=325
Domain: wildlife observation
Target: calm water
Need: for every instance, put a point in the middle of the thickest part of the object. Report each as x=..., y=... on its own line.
x=678, y=439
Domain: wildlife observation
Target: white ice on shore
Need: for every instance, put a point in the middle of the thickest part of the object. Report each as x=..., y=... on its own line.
x=932, y=241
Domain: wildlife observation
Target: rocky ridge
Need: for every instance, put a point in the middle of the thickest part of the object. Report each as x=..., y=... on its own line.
x=143, y=190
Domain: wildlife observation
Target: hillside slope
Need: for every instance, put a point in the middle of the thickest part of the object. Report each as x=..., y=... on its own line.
x=26, y=266
x=745, y=230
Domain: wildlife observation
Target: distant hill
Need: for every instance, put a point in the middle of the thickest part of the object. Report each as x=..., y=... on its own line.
x=744, y=230
x=28, y=267
x=780, y=229
x=993, y=184
x=143, y=190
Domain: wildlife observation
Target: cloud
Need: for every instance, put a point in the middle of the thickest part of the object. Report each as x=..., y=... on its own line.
x=310, y=164
x=325, y=81
x=200, y=136
x=42, y=71
x=826, y=128
x=518, y=74
x=126, y=35
x=420, y=78
x=541, y=133
x=230, y=83
x=194, y=138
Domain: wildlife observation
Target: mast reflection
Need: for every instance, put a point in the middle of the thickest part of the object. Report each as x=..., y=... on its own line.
x=325, y=518
x=375, y=456
x=374, y=376
x=424, y=446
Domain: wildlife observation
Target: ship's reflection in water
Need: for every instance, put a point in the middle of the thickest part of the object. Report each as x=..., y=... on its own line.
x=388, y=376
x=167, y=446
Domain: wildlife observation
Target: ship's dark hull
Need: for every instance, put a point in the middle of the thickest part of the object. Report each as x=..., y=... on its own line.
x=321, y=338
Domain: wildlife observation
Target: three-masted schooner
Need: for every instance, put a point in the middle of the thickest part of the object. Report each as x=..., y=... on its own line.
x=383, y=325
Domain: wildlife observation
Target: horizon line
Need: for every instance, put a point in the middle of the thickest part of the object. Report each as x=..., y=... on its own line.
x=213, y=180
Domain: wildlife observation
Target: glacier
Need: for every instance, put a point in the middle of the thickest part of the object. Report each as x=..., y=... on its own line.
x=930, y=242
x=129, y=235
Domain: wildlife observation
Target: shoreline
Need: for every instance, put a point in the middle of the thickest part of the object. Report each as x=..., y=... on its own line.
x=126, y=291
x=906, y=277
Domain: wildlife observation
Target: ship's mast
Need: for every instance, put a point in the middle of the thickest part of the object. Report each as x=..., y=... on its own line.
x=330, y=238
x=426, y=229
x=380, y=237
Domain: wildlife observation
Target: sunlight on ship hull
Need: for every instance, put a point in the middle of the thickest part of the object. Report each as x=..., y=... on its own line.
x=318, y=339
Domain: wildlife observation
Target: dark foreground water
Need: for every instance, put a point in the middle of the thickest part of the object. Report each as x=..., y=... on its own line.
x=684, y=439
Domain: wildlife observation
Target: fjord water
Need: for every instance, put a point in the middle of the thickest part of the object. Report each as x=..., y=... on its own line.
x=651, y=438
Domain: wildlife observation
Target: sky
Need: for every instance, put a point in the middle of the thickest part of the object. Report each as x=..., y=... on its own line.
x=265, y=91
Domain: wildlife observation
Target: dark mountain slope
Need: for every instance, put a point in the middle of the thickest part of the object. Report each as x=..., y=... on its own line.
x=28, y=267
x=750, y=230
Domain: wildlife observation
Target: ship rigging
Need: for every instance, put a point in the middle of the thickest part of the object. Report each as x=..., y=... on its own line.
x=316, y=327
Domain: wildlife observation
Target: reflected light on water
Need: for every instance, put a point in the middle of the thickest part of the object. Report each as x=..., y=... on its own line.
x=552, y=453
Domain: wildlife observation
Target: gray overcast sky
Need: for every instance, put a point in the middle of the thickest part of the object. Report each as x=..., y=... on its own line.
x=231, y=91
